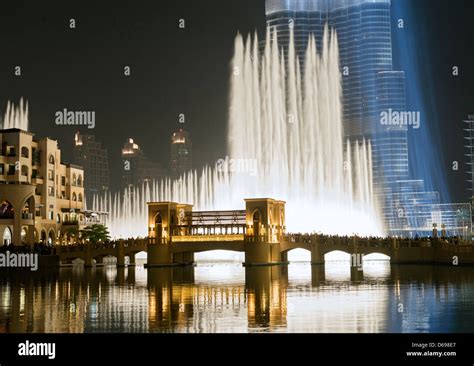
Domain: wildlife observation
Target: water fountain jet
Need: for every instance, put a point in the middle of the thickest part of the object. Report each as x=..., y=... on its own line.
x=289, y=121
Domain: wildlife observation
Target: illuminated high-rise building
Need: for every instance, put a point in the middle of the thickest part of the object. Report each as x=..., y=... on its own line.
x=181, y=153
x=90, y=154
x=469, y=137
x=137, y=167
x=371, y=88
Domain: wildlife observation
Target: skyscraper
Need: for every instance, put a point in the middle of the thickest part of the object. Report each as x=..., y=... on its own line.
x=90, y=154
x=137, y=167
x=371, y=89
x=469, y=137
x=181, y=153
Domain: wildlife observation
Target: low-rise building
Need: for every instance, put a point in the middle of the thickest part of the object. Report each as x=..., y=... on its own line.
x=41, y=198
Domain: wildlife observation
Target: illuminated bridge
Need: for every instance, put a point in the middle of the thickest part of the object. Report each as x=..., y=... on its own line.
x=175, y=233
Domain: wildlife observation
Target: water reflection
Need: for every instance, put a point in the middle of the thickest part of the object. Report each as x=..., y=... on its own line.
x=217, y=297
x=170, y=298
x=266, y=297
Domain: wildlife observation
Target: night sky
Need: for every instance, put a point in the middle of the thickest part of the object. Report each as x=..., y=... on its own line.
x=176, y=71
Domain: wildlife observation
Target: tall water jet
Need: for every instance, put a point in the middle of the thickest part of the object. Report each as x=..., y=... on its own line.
x=16, y=117
x=288, y=123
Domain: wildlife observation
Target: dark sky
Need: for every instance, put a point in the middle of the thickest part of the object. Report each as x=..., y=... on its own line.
x=173, y=70
x=187, y=71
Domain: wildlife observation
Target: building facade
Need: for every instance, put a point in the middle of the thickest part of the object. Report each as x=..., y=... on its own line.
x=137, y=168
x=94, y=159
x=181, y=153
x=41, y=198
x=371, y=88
x=469, y=145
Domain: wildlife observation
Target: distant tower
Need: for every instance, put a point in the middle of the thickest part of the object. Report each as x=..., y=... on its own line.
x=137, y=168
x=90, y=154
x=181, y=153
x=370, y=86
x=469, y=136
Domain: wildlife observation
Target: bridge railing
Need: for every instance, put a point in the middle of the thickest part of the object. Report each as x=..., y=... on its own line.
x=206, y=238
x=262, y=238
x=304, y=238
x=134, y=243
x=61, y=249
x=354, y=240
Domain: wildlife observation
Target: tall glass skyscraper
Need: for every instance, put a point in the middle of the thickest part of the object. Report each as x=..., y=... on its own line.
x=370, y=87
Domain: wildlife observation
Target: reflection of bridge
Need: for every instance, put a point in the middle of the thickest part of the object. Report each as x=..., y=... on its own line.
x=176, y=233
x=171, y=299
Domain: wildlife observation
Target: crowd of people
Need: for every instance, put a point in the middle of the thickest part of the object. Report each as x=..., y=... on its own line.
x=39, y=248
x=345, y=239
x=47, y=249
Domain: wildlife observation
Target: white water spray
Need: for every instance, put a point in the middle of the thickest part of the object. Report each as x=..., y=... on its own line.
x=16, y=117
x=289, y=121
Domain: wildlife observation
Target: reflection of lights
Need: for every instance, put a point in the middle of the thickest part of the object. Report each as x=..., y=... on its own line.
x=78, y=139
x=22, y=300
x=151, y=308
x=94, y=310
x=6, y=295
x=165, y=297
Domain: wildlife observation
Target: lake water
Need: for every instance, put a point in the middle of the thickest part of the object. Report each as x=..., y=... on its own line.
x=225, y=297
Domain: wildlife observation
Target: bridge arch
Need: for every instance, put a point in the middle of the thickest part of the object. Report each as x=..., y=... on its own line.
x=256, y=222
x=300, y=254
x=219, y=255
x=131, y=257
x=158, y=226
x=337, y=255
x=376, y=256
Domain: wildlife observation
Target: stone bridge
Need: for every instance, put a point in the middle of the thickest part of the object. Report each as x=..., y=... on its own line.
x=176, y=233
x=97, y=252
